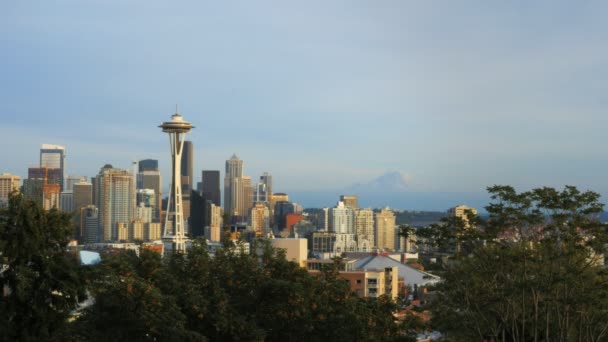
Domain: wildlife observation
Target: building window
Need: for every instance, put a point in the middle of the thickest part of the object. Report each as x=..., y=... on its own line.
x=358, y=281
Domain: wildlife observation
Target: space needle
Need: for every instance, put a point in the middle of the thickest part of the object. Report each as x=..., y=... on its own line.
x=174, y=239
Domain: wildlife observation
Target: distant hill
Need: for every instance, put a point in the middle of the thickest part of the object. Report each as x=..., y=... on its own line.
x=418, y=218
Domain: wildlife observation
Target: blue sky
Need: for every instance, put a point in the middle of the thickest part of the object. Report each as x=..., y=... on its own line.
x=456, y=95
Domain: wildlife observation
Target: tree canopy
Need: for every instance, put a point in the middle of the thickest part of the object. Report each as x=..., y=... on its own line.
x=41, y=282
x=231, y=296
x=533, y=270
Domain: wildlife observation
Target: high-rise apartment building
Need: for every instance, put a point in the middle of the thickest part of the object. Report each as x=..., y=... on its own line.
x=364, y=224
x=233, y=188
x=462, y=212
x=211, y=187
x=116, y=202
x=350, y=201
x=323, y=220
x=8, y=184
x=385, y=229
x=53, y=156
x=341, y=219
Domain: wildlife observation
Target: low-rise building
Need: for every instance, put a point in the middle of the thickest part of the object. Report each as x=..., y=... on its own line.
x=296, y=250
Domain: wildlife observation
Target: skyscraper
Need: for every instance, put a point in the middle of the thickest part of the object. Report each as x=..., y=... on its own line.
x=8, y=184
x=174, y=239
x=350, y=201
x=66, y=201
x=264, y=189
x=385, y=229
x=341, y=219
x=43, y=185
x=247, y=196
x=233, y=187
x=149, y=177
x=147, y=165
x=259, y=219
x=187, y=174
x=53, y=156
x=364, y=224
x=71, y=180
x=89, y=224
x=83, y=194
x=116, y=201
x=211, y=187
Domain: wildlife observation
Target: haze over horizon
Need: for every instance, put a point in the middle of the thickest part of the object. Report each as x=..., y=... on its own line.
x=454, y=96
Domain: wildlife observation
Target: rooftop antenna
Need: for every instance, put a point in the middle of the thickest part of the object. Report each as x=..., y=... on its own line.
x=176, y=109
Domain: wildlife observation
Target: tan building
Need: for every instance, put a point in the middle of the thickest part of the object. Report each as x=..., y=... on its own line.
x=247, y=195
x=373, y=283
x=234, y=203
x=214, y=231
x=122, y=231
x=385, y=229
x=259, y=219
x=8, y=184
x=136, y=230
x=368, y=283
x=350, y=201
x=115, y=193
x=364, y=225
x=278, y=197
x=461, y=211
x=152, y=231
x=296, y=250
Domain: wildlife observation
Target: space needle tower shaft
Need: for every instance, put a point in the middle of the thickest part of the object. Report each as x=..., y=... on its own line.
x=174, y=239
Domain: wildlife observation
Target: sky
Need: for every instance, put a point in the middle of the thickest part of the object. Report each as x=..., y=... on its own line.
x=454, y=95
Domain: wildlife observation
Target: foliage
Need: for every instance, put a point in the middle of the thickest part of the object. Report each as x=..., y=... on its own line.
x=231, y=296
x=535, y=275
x=40, y=280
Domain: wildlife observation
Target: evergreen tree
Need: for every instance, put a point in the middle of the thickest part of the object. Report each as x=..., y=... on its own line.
x=41, y=282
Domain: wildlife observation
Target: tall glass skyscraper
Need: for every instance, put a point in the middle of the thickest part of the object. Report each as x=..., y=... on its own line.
x=211, y=186
x=233, y=187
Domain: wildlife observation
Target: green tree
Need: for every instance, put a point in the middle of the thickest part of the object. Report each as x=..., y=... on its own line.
x=129, y=306
x=40, y=279
x=536, y=277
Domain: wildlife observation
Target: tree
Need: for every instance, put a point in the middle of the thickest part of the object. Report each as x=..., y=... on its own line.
x=40, y=279
x=129, y=306
x=536, y=277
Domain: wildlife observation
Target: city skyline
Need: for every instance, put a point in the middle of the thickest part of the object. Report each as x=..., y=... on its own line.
x=455, y=97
